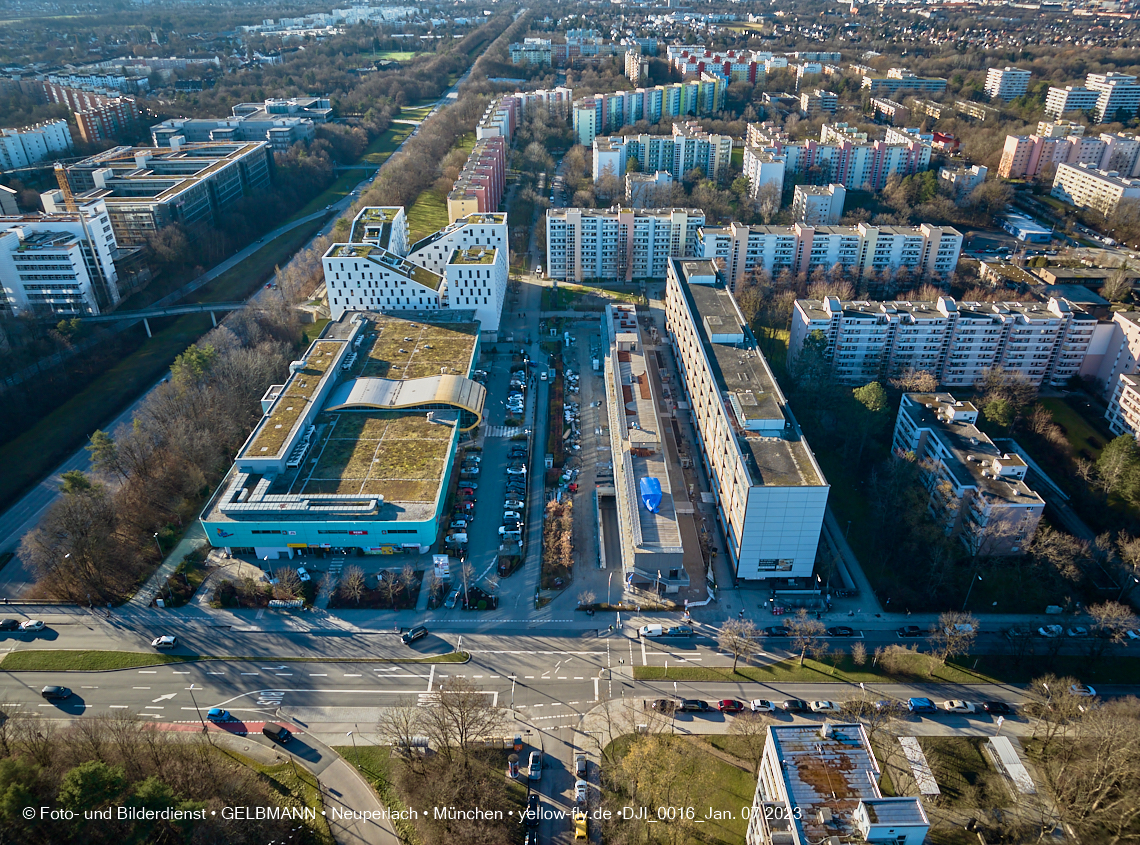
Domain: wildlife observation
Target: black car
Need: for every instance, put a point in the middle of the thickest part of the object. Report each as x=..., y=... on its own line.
x=413, y=634
x=846, y=594
x=664, y=705
x=693, y=705
x=841, y=631
x=531, y=837
x=9, y=624
x=909, y=631
x=54, y=693
x=776, y=631
x=997, y=708
x=794, y=705
x=532, y=811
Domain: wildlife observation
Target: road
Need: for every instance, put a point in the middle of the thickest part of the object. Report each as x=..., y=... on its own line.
x=26, y=513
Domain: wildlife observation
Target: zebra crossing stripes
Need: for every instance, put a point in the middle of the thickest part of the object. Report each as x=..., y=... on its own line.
x=503, y=431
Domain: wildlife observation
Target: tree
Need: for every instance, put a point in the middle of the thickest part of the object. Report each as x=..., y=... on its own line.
x=806, y=632
x=877, y=716
x=288, y=584
x=586, y=598
x=465, y=712
x=91, y=785
x=811, y=369
x=1111, y=622
x=398, y=728
x=738, y=637
x=955, y=635
x=871, y=402
x=911, y=380
x=768, y=197
x=1118, y=286
x=193, y=364
x=353, y=583
x=1056, y=709
x=752, y=728
x=1118, y=464
x=858, y=653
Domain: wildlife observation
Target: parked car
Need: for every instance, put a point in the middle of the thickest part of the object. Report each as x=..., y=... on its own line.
x=9, y=624
x=581, y=791
x=217, y=714
x=516, y=470
x=679, y=631
x=54, y=693
x=473, y=458
x=761, y=705
x=1077, y=631
x=534, y=765
x=824, y=707
x=1049, y=631
x=466, y=490
x=909, y=631
x=450, y=601
x=840, y=631
x=1082, y=690
x=412, y=634
x=730, y=705
x=512, y=515
x=31, y=625
x=276, y=732
x=776, y=631
x=997, y=708
x=794, y=705
x=580, y=765
x=1019, y=633
x=513, y=504
x=532, y=810
x=164, y=642
x=469, y=485
x=956, y=705
x=459, y=523
x=663, y=705
x=920, y=705
x=693, y=705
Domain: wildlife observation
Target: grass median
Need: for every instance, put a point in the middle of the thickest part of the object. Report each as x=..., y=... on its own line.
x=43, y=660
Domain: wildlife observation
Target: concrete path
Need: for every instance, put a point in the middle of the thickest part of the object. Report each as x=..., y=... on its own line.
x=194, y=538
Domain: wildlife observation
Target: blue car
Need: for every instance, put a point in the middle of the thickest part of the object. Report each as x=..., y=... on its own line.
x=921, y=705
x=217, y=714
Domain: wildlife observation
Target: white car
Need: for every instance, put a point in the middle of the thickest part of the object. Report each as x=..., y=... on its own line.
x=956, y=705
x=516, y=470
x=164, y=642
x=459, y=523
x=451, y=599
x=824, y=707
x=513, y=504
x=303, y=575
x=512, y=515
x=581, y=790
x=1050, y=631
x=1132, y=634
x=472, y=456
x=31, y=625
x=762, y=705
x=1082, y=691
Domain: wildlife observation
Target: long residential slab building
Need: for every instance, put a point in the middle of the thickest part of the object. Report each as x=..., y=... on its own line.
x=954, y=341
x=770, y=492
x=688, y=148
x=606, y=113
x=626, y=244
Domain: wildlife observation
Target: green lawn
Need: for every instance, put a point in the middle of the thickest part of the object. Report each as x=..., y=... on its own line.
x=386, y=144
x=298, y=787
x=428, y=214
x=1080, y=433
x=393, y=55
x=736, y=161
x=43, y=660
x=409, y=113
x=374, y=763
x=962, y=772
x=789, y=671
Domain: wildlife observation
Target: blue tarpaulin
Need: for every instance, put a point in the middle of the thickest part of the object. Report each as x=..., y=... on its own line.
x=651, y=494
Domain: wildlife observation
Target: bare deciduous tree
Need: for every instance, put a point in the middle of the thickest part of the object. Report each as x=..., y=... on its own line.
x=752, y=728
x=738, y=637
x=955, y=635
x=352, y=582
x=806, y=631
x=465, y=712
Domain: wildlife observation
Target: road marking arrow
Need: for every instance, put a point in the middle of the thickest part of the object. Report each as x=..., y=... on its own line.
x=165, y=697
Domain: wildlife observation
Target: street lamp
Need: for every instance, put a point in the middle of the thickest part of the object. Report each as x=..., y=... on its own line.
x=193, y=698
x=158, y=545
x=972, y=582
x=1127, y=585
x=355, y=752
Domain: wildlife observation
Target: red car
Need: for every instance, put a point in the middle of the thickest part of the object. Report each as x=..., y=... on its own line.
x=731, y=705
x=466, y=491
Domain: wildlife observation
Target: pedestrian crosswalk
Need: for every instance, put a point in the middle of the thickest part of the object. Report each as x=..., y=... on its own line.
x=503, y=431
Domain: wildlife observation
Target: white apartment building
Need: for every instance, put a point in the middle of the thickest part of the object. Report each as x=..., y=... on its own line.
x=770, y=492
x=648, y=190
x=977, y=492
x=1118, y=95
x=21, y=147
x=1030, y=155
x=954, y=341
x=1123, y=412
x=820, y=784
x=816, y=102
x=1087, y=187
x=618, y=243
x=842, y=155
x=688, y=148
x=463, y=267
x=926, y=251
x=58, y=263
x=764, y=167
x=961, y=181
x=1069, y=100
x=1006, y=83
x=1059, y=128
x=818, y=205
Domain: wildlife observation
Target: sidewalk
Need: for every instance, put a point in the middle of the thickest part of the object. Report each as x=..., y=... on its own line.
x=194, y=537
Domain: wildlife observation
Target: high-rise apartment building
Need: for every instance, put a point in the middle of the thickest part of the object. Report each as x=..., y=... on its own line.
x=818, y=205
x=101, y=114
x=1087, y=187
x=1006, y=83
x=977, y=491
x=770, y=492
x=1118, y=96
x=900, y=79
x=1070, y=100
x=842, y=156
x=688, y=148
x=21, y=147
x=619, y=243
x=606, y=113
x=926, y=251
x=961, y=181
x=58, y=264
x=636, y=67
x=817, y=101
x=954, y=341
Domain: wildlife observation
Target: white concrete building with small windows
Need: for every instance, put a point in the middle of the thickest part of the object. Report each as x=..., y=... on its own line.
x=977, y=491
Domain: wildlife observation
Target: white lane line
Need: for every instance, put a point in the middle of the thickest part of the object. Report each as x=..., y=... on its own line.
x=644, y=659
x=596, y=688
x=118, y=707
x=215, y=673
x=318, y=674
x=140, y=687
x=352, y=676
x=249, y=673
x=579, y=678
x=148, y=671
x=476, y=676
x=492, y=676
x=89, y=687
x=48, y=705
x=153, y=707
x=181, y=673
x=284, y=674
x=573, y=702
x=561, y=678
x=431, y=677
x=529, y=677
